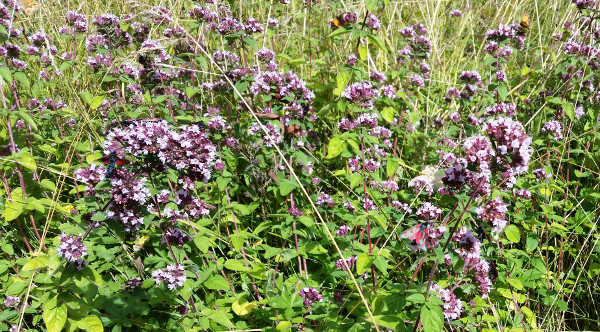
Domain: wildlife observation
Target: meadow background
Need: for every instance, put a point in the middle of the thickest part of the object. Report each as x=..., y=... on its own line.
x=258, y=165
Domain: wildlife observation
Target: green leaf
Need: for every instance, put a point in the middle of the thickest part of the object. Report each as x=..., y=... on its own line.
x=159, y=99
x=391, y=167
x=286, y=187
x=372, y=5
x=516, y=283
x=55, y=318
x=24, y=115
x=284, y=325
x=91, y=324
x=191, y=91
x=202, y=242
x=202, y=61
x=13, y=210
x=363, y=263
x=525, y=71
x=8, y=249
x=338, y=32
x=416, y=298
x=222, y=182
x=388, y=114
x=36, y=263
x=512, y=233
x=377, y=41
x=342, y=80
x=307, y=221
x=235, y=265
x=502, y=92
x=237, y=241
x=218, y=317
x=569, y=109
x=5, y=73
x=217, y=283
x=355, y=179
x=531, y=243
x=336, y=146
x=242, y=307
x=27, y=160
x=432, y=317
x=91, y=157
x=21, y=77
x=362, y=52
x=390, y=322
x=96, y=102
x=251, y=42
x=99, y=216
x=594, y=270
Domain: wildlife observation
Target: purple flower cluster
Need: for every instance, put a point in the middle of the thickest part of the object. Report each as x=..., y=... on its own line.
x=511, y=141
x=350, y=17
x=12, y=301
x=271, y=138
x=90, y=176
x=584, y=4
x=173, y=275
x=524, y=193
x=370, y=165
x=175, y=236
x=452, y=305
x=362, y=94
x=401, y=207
x=509, y=109
x=76, y=23
x=193, y=207
x=343, y=231
x=469, y=249
x=285, y=84
x=429, y=212
x=373, y=21
x=541, y=174
x=456, y=175
x=553, y=127
x=479, y=151
x=421, y=184
x=351, y=61
x=188, y=149
x=387, y=187
x=349, y=261
x=72, y=249
x=418, y=45
x=310, y=295
x=349, y=206
x=456, y=13
x=324, y=199
x=134, y=282
x=494, y=212
x=128, y=193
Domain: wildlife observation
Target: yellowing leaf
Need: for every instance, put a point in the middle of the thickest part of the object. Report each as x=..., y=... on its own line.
x=336, y=146
x=242, y=307
x=35, y=263
x=55, y=318
x=139, y=244
x=91, y=324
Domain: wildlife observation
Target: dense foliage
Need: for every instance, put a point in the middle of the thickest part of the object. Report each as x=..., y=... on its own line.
x=201, y=168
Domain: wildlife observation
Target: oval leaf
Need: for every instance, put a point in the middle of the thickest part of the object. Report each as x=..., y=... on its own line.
x=512, y=233
x=432, y=318
x=336, y=146
x=91, y=323
x=55, y=318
